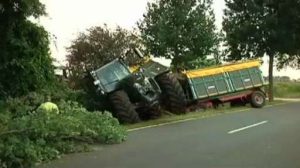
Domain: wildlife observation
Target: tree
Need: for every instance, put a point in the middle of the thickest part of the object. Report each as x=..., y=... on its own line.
x=181, y=30
x=98, y=46
x=26, y=64
x=258, y=27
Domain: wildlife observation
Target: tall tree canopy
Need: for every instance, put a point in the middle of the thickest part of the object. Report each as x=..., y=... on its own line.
x=257, y=27
x=96, y=47
x=26, y=64
x=181, y=30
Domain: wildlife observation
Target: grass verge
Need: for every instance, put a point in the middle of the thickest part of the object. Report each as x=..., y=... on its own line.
x=166, y=119
x=287, y=89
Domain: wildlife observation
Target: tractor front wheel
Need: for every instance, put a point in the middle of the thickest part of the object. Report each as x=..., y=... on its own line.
x=122, y=107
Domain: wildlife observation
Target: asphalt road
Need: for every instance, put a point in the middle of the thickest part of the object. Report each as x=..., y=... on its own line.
x=259, y=138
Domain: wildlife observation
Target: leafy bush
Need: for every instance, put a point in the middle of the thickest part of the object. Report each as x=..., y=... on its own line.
x=22, y=106
x=36, y=136
x=60, y=91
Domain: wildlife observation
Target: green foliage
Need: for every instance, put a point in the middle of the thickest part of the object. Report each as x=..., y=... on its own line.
x=255, y=28
x=287, y=89
x=26, y=64
x=21, y=9
x=183, y=31
x=98, y=46
x=42, y=136
x=19, y=107
x=60, y=91
x=200, y=63
x=91, y=50
x=27, y=134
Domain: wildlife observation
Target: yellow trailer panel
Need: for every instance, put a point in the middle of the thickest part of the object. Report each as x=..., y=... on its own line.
x=222, y=69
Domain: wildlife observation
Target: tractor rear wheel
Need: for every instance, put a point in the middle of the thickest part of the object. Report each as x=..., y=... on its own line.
x=257, y=99
x=122, y=107
x=173, y=97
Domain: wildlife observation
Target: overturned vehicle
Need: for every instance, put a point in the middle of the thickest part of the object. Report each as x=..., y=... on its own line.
x=138, y=92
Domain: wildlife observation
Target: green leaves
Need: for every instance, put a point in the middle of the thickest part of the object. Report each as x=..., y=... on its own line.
x=183, y=31
x=41, y=136
x=26, y=64
x=23, y=9
x=255, y=28
x=97, y=47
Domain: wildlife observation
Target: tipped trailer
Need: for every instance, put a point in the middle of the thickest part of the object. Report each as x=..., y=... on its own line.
x=238, y=83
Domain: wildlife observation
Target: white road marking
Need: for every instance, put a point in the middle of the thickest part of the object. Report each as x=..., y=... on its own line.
x=181, y=121
x=247, y=127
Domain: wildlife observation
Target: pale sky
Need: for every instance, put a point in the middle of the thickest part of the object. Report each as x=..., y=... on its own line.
x=66, y=18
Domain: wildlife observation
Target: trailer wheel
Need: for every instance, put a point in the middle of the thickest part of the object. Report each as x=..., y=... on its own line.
x=257, y=99
x=122, y=107
x=173, y=97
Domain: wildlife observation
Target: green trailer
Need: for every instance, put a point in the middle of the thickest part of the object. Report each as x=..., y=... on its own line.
x=237, y=83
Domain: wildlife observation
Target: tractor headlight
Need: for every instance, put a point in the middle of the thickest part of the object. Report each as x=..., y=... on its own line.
x=96, y=82
x=147, y=83
x=139, y=87
x=139, y=76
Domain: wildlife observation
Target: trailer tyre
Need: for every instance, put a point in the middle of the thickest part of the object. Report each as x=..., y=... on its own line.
x=122, y=107
x=173, y=97
x=257, y=99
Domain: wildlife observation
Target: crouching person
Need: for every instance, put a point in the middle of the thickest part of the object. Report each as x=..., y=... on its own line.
x=48, y=106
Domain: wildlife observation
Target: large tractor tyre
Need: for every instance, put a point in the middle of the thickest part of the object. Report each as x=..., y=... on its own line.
x=122, y=107
x=257, y=99
x=173, y=97
x=150, y=113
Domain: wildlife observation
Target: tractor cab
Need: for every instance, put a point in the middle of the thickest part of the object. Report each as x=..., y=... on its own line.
x=108, y=77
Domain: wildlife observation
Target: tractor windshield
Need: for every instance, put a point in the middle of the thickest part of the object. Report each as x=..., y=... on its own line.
x=112, y=73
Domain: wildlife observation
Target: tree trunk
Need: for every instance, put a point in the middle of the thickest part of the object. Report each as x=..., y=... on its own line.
x=271, y=86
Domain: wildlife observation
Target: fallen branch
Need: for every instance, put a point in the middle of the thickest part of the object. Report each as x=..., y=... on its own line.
x=14, y=132
x=78, y=138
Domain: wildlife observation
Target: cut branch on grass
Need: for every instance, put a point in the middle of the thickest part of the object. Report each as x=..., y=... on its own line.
x=14, y=132
x=78, y=138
